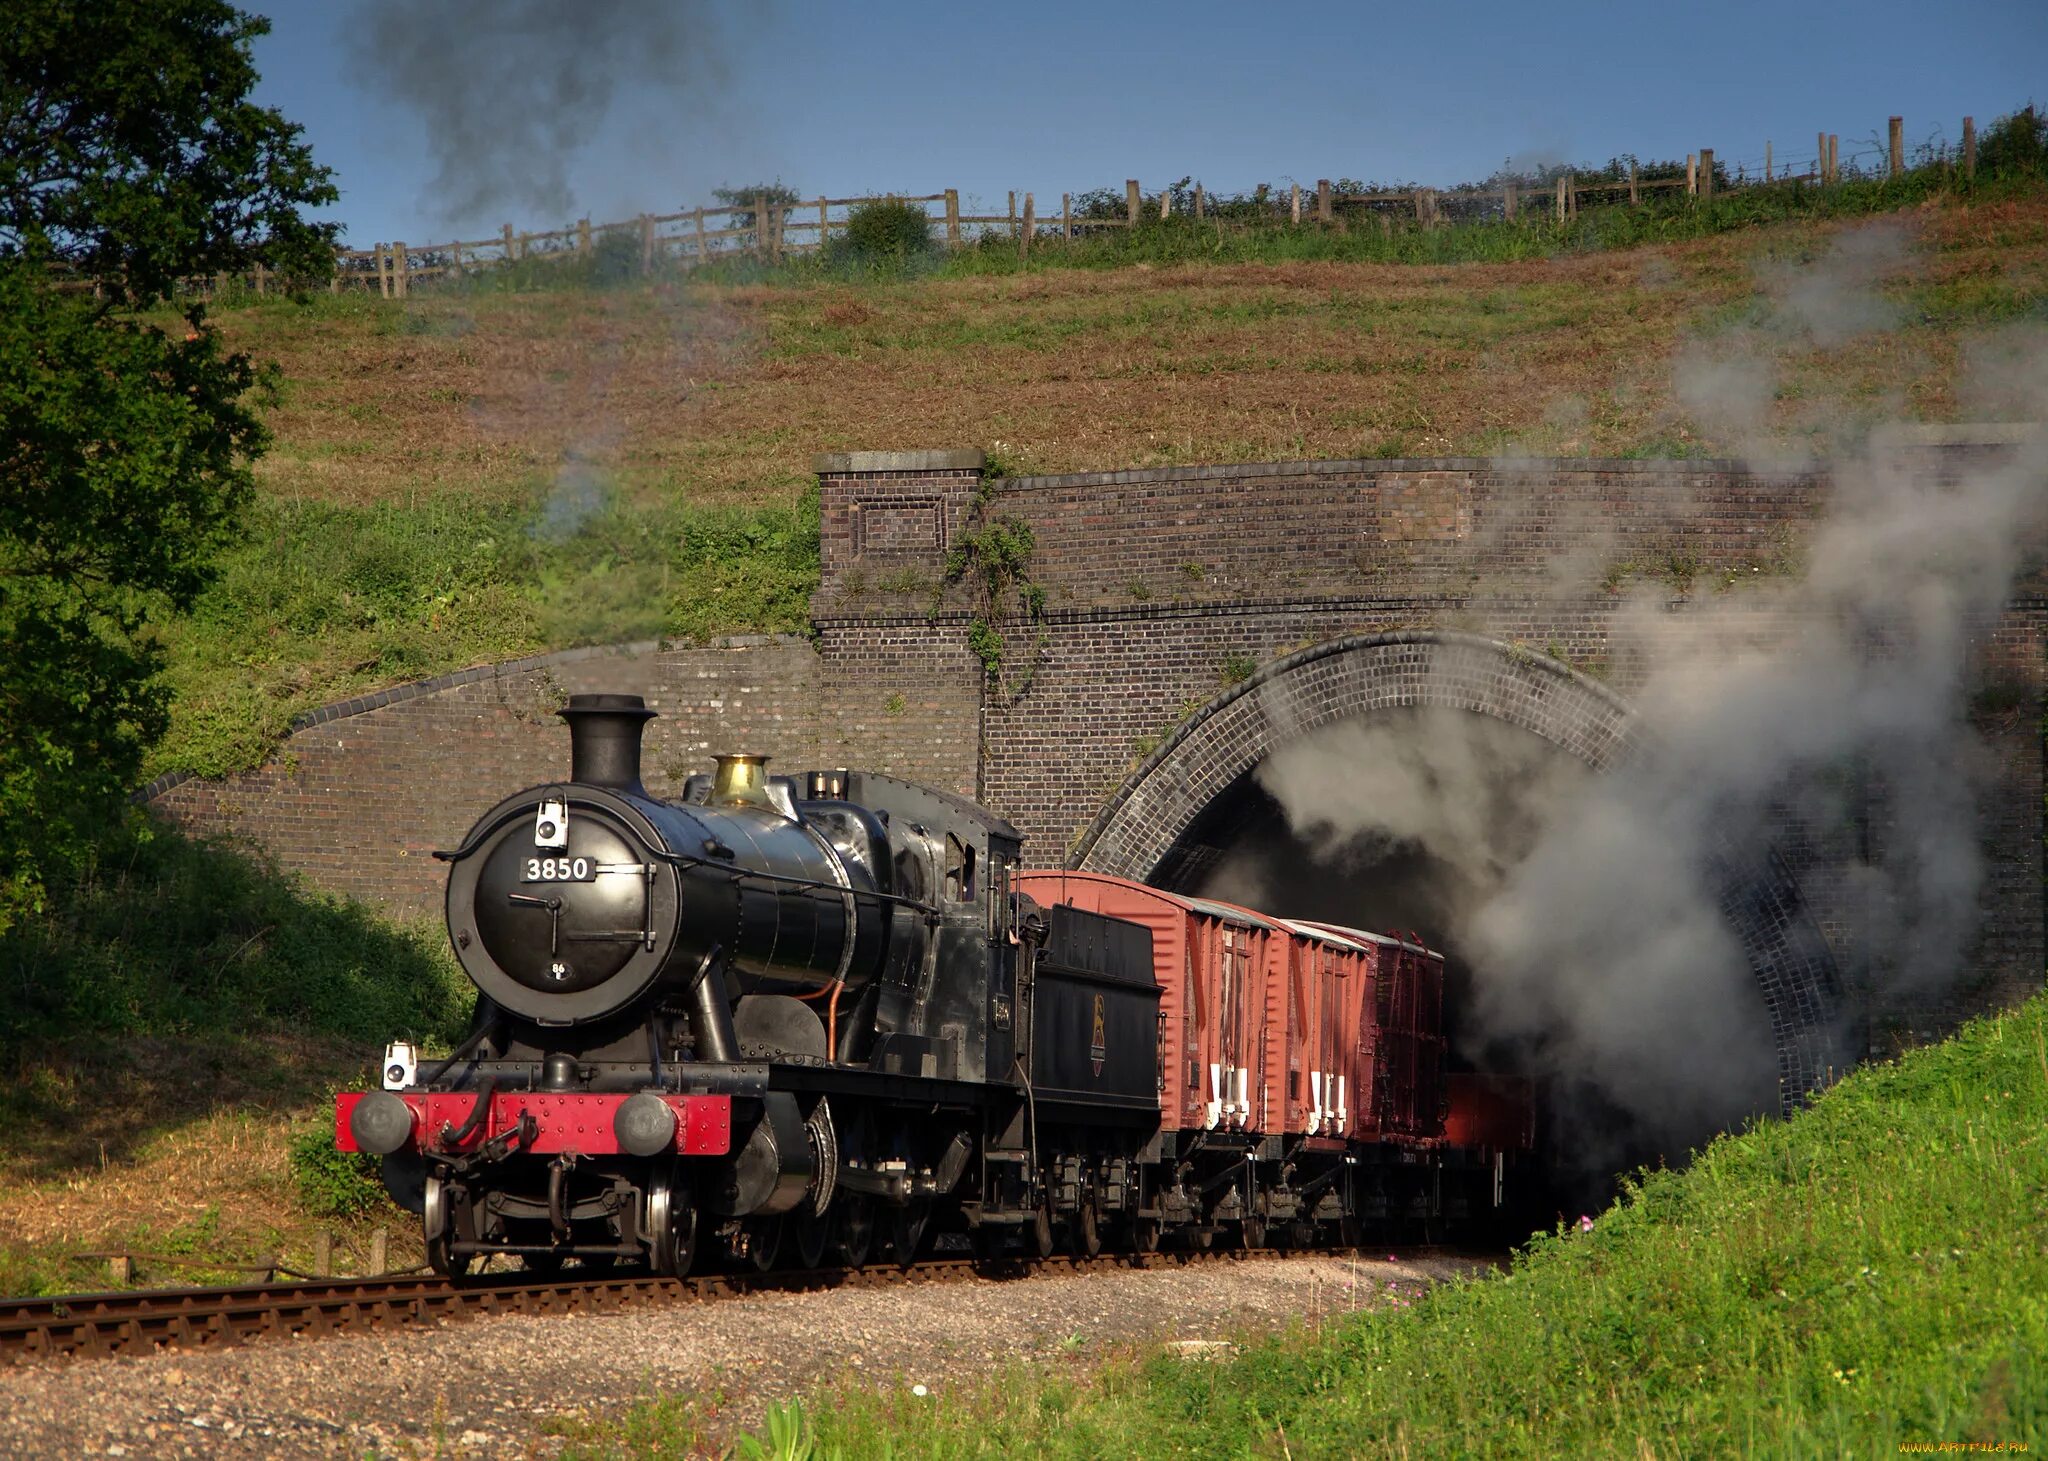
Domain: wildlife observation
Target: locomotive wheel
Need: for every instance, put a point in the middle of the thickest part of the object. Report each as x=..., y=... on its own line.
x=672, y=1221
x=853, y=1230
x=765, y=1243
x=909, y=1226
x=1253, y=1233
x=811, y=1238
x=441, y=1254
x=1087, y=1232
x=1145, y=1235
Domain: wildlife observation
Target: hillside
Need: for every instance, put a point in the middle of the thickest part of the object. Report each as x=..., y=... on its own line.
x=478, y=473
x=1868, y=1277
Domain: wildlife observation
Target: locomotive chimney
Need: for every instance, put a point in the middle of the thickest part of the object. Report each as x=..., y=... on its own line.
x=604, y=740
x=740, y=781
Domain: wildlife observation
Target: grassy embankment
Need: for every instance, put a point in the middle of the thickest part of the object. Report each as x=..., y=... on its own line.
x=171, y=1032
x=481, y=473
x=1870, y=1273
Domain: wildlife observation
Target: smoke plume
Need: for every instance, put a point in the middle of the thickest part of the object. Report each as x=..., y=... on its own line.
x=507, y=92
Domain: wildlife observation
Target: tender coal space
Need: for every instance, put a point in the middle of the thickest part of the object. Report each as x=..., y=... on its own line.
x=1425, y=874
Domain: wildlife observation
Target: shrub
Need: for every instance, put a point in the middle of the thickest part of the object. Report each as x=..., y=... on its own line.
x=884, y=232
x=2015, y=146
x=331, y=1183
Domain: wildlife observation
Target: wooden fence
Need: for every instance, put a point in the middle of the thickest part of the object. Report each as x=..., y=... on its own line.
x=775, y=231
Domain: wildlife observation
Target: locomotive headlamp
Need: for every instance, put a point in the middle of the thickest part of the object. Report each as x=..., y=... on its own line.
x=551, y=824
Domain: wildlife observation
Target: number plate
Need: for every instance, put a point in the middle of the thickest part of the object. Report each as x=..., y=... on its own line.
x=560, y=870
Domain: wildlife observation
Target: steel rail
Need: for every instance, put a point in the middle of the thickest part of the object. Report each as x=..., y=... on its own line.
x=143, y=1321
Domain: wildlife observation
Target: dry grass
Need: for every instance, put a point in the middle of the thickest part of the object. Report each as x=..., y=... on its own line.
x=717, y=393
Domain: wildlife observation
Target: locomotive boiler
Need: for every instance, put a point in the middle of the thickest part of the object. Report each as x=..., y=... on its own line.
x=795, y=1019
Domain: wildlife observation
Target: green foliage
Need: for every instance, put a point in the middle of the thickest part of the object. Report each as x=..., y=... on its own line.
x=995, y=560
x=129, y=152
x=331, y=1183
x=152, y=934
x=1871, y=1273
x=1236, y=669
x=742, y=200
x=2015, y=146
x=883, y=233
x=323, y=600
x=789, y=1436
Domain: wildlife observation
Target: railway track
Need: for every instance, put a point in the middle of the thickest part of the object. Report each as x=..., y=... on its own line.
x=91, y=1326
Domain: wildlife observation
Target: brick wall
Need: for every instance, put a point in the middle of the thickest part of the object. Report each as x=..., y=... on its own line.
x=1162, y=586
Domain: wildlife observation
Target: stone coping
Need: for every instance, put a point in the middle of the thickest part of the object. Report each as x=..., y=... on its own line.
x=397, y=694
x=832, y=464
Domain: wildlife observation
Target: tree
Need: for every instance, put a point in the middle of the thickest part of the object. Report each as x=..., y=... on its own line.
x=130, y=157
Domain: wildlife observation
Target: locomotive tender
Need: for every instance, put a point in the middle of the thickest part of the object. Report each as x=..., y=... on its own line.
x=784, y=1019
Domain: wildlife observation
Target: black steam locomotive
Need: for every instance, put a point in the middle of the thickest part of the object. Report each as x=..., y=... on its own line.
x=785, y=1020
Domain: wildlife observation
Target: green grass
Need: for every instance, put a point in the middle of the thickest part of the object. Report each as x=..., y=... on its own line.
x=1872, y=1272
x=1231, y=238
x=323, y=600
x=161, y=937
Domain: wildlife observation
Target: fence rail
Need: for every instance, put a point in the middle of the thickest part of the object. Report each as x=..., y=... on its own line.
x=772, y=231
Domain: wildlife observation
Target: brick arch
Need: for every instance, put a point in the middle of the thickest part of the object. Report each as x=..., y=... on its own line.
x=1138, y=829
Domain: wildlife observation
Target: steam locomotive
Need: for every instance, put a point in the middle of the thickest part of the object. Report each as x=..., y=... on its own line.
x=799, y=1019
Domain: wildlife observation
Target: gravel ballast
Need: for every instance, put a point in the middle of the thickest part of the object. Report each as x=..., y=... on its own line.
x=487, y=1387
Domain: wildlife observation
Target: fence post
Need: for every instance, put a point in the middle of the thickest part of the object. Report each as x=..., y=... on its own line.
x=1898, y=130
x=259, y=278
x=1013, y=212
x=778, y=220
x=1969, y=147
x=646, y=243
x=323, y=1255
x=824, y=221
x=1560, y=198
x=952, y=218
x=1024, y=234
x=1132, y=200
x=583, y=235
x=1066, y=215
x=1707, y=172
x=120, y=1268
x=525, y=243
x=380, y=1252
x=1508, y=201
x=1165, y=202
x=399, y=265
x=760, y=227
x=506, y=234
x=1635, y=194
x=383, y=278
x=1322, y=200
x=1198, y=202
x=1834, y=157
x=1767, y=161
x=1294, y=203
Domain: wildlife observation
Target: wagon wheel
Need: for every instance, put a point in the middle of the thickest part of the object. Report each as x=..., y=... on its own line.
x=1038, y=1240
x=1253, y=1232
x=853, y=1230
x=1087, y=1232
x=909, y=1226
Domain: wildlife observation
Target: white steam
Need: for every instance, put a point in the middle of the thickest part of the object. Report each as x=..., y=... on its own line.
x=1588, y=909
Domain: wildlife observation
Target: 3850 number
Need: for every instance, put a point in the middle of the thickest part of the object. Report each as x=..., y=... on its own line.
x=559, y=870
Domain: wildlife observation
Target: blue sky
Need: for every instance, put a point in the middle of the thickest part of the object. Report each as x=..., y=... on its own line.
x=1057, y=96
